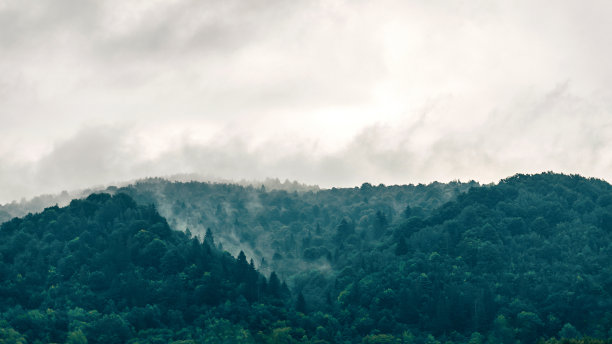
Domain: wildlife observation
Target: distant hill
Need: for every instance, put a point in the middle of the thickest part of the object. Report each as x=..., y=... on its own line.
x=38, y=203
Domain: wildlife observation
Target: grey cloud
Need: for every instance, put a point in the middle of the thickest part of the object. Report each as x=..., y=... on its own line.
x=416, y=90
x=28, y=26
x=543, y=133
x=196, y=26
x=93, y=154
x=165, y=27
x=210, y=59
x=92, y=157
x=557, y=130
x=204, y=44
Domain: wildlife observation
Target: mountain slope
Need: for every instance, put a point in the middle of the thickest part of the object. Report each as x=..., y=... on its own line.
x=267, y=223
x=109, y=269
x=524, y=259
x=530, y=253
x=516, y=260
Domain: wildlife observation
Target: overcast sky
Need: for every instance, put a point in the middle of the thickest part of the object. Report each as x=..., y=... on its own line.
x=333, y=93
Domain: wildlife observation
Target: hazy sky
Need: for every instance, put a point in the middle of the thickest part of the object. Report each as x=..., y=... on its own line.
x=325, y=92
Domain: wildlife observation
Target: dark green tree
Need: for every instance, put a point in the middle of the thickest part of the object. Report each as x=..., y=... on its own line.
x=402, y=247
x=300, y=304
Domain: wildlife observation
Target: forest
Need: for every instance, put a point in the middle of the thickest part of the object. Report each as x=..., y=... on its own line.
x=525, y=260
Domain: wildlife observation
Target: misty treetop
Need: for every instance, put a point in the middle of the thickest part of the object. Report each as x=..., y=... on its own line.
x=280, y=224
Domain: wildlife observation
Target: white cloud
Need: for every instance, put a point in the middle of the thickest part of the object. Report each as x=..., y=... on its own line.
x=329, y=92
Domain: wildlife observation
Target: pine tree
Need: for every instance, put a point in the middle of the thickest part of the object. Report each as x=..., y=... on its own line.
x=208, y=238
x=407, y=212
x=402, y=247
x=242, y=259
x=380, y=223
x=274, y=285
x=300, y=304
x=243, y=267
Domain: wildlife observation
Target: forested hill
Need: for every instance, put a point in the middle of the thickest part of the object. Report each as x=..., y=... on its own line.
x=527, y=257
x=106, y=270
x=520, y=261
x=276, y=227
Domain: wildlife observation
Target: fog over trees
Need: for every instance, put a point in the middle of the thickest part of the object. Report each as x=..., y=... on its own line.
x=337, y=171
x=525, y=260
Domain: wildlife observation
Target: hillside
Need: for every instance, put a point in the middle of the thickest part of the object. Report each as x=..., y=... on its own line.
x=109, y=270
x=278, y=225
x=532, y=251
x=524, y=259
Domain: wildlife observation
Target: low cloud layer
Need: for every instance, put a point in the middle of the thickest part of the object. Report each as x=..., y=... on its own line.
x=543, y=133
x=329, y=93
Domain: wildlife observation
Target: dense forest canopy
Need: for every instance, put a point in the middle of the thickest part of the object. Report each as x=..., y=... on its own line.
x=278, y=225
x=523, y=260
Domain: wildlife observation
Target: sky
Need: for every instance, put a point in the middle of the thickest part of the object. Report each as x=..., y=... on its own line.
x=334, y=93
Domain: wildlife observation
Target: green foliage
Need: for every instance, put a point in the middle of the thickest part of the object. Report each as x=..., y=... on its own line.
x=104, y=269
x=76, y=337
x=569, y=332
x=300, y=304
x=576, y=341
x=380, y=339
x=221, y=331
x=8, y=335
x=522, y=261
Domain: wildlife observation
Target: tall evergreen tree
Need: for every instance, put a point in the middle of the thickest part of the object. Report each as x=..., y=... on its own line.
x=274, y=284
x=401, y=248
x=209, y=238
x=300, y=304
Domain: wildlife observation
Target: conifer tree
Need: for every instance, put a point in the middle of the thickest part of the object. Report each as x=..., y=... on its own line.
x=208, y=238
x=402, y=247
x=300, y=304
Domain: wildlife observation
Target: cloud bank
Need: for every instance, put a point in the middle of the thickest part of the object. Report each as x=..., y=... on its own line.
x=333, y=93
x=536, y=135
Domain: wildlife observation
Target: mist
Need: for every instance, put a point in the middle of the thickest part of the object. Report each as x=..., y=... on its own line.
x=328, y=93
